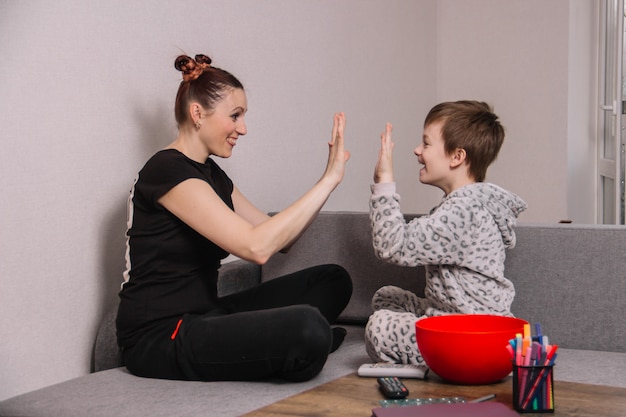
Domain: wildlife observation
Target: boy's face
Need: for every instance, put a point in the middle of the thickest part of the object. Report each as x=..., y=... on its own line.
x=431, y=153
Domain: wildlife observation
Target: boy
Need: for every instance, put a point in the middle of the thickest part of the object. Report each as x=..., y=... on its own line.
x=461, y=243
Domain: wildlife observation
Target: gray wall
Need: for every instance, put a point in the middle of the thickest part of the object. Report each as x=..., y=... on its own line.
x=86, y=96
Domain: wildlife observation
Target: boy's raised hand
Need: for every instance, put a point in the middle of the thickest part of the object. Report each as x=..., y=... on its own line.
x=384, y=167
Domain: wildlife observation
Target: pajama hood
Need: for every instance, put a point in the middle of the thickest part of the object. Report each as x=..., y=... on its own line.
x=503, y=205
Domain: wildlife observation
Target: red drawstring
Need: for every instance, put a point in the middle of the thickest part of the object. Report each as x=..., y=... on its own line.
x=173, y=336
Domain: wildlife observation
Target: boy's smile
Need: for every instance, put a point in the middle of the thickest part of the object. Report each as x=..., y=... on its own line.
x=432, y=155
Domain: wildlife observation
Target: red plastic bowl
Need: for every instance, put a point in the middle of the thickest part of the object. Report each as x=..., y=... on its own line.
x=468, y=349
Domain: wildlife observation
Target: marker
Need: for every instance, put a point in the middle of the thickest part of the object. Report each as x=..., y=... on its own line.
x=528, y=356
x=550, y=357
x=538, y=334
x=526, y=340
x=511, y=351
x=536, y=353
x=524, y=371
x=518, y=348
x=483, y=399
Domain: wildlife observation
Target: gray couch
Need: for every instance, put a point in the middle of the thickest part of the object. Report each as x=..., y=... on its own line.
x=570, y=278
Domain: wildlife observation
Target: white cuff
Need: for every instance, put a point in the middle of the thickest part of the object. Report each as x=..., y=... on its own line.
x=383, y=188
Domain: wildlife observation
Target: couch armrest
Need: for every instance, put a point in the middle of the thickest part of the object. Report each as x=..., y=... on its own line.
x=106, y=352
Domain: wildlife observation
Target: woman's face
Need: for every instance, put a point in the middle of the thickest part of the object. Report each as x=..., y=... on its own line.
x=221, y=128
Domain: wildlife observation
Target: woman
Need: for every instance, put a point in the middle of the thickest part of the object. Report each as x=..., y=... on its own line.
x=185, y=215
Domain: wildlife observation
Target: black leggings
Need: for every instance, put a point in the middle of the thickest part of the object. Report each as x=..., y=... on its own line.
x=280, y=328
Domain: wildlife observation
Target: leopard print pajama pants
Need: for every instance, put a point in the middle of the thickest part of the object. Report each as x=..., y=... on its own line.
x=390, y=330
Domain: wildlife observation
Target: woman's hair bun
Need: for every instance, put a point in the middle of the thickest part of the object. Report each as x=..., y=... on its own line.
x=192, y=68
x=203, y=59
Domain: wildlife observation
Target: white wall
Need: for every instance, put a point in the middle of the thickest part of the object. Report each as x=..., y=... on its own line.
x=87, y=93
x=583, y=108
x=534, y=62
x=86, y=96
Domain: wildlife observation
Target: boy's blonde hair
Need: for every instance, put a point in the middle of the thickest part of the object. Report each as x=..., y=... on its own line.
x=472, y=126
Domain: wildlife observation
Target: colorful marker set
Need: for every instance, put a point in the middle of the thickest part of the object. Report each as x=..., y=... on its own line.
x=533, y=360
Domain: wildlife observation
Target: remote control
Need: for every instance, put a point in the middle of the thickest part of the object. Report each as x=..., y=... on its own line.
x=392, y=369
x=392, y=387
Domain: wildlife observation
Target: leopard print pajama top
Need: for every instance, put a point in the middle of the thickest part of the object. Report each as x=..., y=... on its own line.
x=461, y=244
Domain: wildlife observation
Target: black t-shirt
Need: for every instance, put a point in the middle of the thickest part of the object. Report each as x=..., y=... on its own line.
x=170, y=268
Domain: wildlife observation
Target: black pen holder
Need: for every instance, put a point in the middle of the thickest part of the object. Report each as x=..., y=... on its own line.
x=533, y=389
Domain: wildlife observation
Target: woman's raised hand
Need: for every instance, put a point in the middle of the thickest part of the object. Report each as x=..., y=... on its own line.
x=337, y=154
x=384, y=167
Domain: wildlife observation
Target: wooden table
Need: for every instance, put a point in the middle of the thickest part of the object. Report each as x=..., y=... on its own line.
x=352, y=396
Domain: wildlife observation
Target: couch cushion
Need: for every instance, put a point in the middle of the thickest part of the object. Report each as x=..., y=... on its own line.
x=115, y=392
x=106, y=353
x=571, y=279
x=344, y=238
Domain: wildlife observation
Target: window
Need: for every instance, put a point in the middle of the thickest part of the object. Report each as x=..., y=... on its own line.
x=612, y=118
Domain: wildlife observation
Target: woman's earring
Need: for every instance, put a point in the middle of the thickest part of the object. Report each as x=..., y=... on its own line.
x=198, y=124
